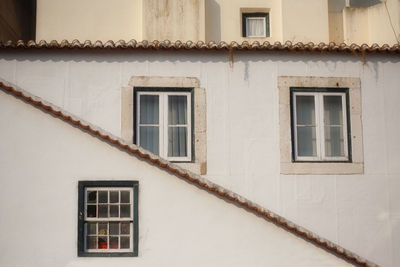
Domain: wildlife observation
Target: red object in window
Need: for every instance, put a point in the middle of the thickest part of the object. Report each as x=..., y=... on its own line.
x=102, y=244
x=114, y=244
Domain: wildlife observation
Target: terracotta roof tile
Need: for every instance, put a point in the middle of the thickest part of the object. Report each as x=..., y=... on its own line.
x=192, y=178
x=200, y=45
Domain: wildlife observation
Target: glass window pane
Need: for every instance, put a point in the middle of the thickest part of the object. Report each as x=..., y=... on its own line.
x=177, y=142
x=334, y=141
x=125, y=211
x=305, y=110
x=125, y=242
x=91, y=228
x=102, y=242
x=113, y=241
x=103, y=196
x=114, y=228
x=306, y=142
x=114, y=196
x=149, y=138
x=91, y=211
x=91, y=242
x=125, y=197
x=149, y=109
x=177, y=109
x=114, y=211
x=255, y=27
x=103, y=211
x=125, y=228
x=91, y=196
x=333, y=114
x=103, y=228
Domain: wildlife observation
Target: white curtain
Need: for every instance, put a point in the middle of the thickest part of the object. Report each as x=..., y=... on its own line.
x=333, y=122
x=306, y=128
x=149, y=114
x=177, y=126
x=255, y=27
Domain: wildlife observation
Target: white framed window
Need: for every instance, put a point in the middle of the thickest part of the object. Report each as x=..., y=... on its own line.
x=197, y=154
x=108, y=218
x=255, y=24
x=340, y=114
x=164, y=124
x=319, y=126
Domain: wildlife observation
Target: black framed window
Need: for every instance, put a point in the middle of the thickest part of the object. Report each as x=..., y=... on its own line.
x=255, y=24
x=108, y=218
x=320, y=124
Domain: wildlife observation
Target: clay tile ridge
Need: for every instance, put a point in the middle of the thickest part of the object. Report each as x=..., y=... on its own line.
x=190, y=177
x=200, y=45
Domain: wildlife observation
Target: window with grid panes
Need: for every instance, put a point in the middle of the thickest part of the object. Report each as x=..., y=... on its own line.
x=319, y=125
x=108, y=222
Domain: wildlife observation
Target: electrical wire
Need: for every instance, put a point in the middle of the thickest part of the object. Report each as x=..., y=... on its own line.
x=391, y=24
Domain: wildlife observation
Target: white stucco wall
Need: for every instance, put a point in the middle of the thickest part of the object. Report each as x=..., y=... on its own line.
x=42, y=161
x=359, y=212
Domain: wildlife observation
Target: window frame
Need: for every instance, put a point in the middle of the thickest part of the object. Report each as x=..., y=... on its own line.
x=290, y=167
x=164, y=92
x=253, y=15
x=132, y=186
x=318, y=94
x=198, y=164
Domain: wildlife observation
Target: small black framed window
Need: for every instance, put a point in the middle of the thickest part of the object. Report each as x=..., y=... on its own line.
x=320, y=124
x=108, y=218
x=255, y=24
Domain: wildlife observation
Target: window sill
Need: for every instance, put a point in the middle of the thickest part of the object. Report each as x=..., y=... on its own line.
x=322, y=168
x=103, y=254
x=199, y=168
x=256, y=37
x=259, y=39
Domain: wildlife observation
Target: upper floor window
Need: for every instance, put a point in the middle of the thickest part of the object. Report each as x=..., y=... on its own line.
x=163, y=123
x=319, y=127
x=255, y=24
x=167, y=115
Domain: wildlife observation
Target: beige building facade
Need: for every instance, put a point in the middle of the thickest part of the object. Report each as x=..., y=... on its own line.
x=349, y=21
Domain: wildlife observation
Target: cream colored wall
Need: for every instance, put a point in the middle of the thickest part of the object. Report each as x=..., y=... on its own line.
x=353, y=18
x=336, y=27
x=88, y=20
x=213, y=20
x=173, y=20
x=224, y=20
x=372, y=25
x=305, y=21
x=380, y=29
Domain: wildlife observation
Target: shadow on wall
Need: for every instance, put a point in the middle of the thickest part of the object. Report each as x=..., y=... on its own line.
x=17, y=20
x=213, y=21
x=193, y=56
